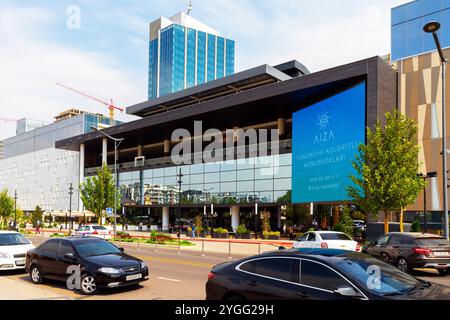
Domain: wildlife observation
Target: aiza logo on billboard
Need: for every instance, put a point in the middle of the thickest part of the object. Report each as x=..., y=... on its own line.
x=326, y=133
x=325, y=140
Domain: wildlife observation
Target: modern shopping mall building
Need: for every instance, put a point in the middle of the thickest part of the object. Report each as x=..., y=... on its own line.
x=320, y=119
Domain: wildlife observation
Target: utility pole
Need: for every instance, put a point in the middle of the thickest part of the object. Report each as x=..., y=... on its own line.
x=15, y=209
x=70, y=206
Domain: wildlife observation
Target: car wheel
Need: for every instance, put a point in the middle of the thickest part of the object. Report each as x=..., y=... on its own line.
x=443, y=272
x=88, y=286
x=384, y=256
x=403, y=265
x=36, y=275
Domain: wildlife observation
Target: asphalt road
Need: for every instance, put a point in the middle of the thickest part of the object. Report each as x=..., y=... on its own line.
x=173, y=276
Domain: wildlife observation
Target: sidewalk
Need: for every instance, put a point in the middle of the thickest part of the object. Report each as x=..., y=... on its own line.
x=17, y=290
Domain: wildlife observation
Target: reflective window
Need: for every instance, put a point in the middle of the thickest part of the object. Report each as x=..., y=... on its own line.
x=212, y=177
x=282, y=269
x=201, y=57
x=245, y=186
x=158, y=172
x=282, y=184
x=211, y=57
x=282, y=172
x=318, y=276
x=246, y=175
x=220, y=62
x=196, y=178
x=212, y=167
x=228, y=176
x=228, y=187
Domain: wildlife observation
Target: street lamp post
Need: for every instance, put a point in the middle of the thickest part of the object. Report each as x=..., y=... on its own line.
x=433, y=28
x=117, y=143
x=430, y=175
x=70, y=206
x=180, y=176
x=15, y=209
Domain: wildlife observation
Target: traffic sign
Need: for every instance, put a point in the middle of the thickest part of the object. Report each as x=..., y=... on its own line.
x=109, y=211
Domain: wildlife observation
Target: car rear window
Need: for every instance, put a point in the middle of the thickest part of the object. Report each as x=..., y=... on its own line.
x=432, y=242
x=334, y=236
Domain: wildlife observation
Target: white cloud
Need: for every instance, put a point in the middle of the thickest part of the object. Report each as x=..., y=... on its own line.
x=32, y=64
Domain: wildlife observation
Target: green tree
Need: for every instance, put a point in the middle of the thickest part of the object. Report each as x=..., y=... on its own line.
x=6, y=207
x=387, y=168
x=97, y=193
x=345, y=222
x=36, y=216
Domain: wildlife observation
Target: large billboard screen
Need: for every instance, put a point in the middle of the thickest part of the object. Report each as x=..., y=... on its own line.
x=325, y=139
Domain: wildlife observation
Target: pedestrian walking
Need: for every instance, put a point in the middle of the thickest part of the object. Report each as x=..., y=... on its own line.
x=193, y=232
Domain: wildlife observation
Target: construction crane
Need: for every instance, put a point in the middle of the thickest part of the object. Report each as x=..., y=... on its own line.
x=189, y=8
x=110, y=106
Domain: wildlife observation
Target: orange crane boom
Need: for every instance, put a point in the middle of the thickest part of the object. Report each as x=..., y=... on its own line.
x=110, y=106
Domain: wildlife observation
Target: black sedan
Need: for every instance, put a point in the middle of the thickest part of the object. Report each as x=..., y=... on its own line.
x=316, y=274
x=86, y=264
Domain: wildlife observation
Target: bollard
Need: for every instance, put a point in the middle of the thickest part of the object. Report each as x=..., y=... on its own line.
x=259, y=247
x=203, y=248
x=229, y=250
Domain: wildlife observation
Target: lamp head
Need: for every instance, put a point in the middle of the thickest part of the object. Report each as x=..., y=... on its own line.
x=432, y=27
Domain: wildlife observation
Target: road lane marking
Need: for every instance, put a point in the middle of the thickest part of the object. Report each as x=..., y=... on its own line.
x=168, y=279
x=182, y=262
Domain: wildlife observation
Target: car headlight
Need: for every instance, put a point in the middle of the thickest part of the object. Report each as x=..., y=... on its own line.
x=143, y=265
x=5, y=255
x=109, y=270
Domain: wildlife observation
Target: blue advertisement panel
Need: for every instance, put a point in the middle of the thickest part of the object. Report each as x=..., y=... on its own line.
x=325, y=139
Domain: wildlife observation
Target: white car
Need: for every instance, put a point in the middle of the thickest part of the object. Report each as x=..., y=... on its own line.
x=13, y=249
x=327, y=240
x=93, y=231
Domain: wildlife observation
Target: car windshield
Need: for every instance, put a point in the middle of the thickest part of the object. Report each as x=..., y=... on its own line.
x=98, y=228
x=432, y=242
x=377, y=276
x=90, y=248
x=335, y=236
x=13, y=239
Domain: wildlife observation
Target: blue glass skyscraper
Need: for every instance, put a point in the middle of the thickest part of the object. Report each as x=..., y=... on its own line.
x=184, y=53
x=407, y=21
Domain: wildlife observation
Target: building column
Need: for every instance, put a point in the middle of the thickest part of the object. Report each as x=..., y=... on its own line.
x=235, y=217
x=166, y=148
x=81, y=175
x=105, y=151
x=165, y=219
x=281, y=127
x=139, y=151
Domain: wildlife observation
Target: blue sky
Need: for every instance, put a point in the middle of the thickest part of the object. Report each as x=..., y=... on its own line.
x=107, y=57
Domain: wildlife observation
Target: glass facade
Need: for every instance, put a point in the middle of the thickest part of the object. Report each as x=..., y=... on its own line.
x=263, y=179
x=153, y=69
x=220, y=62
x=211, y=57
x=187, y=57
x=201, y=57
x=190, y=60
x=166, y=61
x=407, y=21
x=230, y=57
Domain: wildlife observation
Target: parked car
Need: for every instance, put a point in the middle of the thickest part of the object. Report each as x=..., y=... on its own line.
x=408, y=251
x=327, y=240
x=102, y=264
x=316, y=274
x=13, y=248
x=93, y=231
x=359, y=224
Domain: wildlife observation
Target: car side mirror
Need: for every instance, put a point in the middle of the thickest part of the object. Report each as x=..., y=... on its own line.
x=281, y=248
x=349, y=292
x=122, y=249
x=69, y=257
